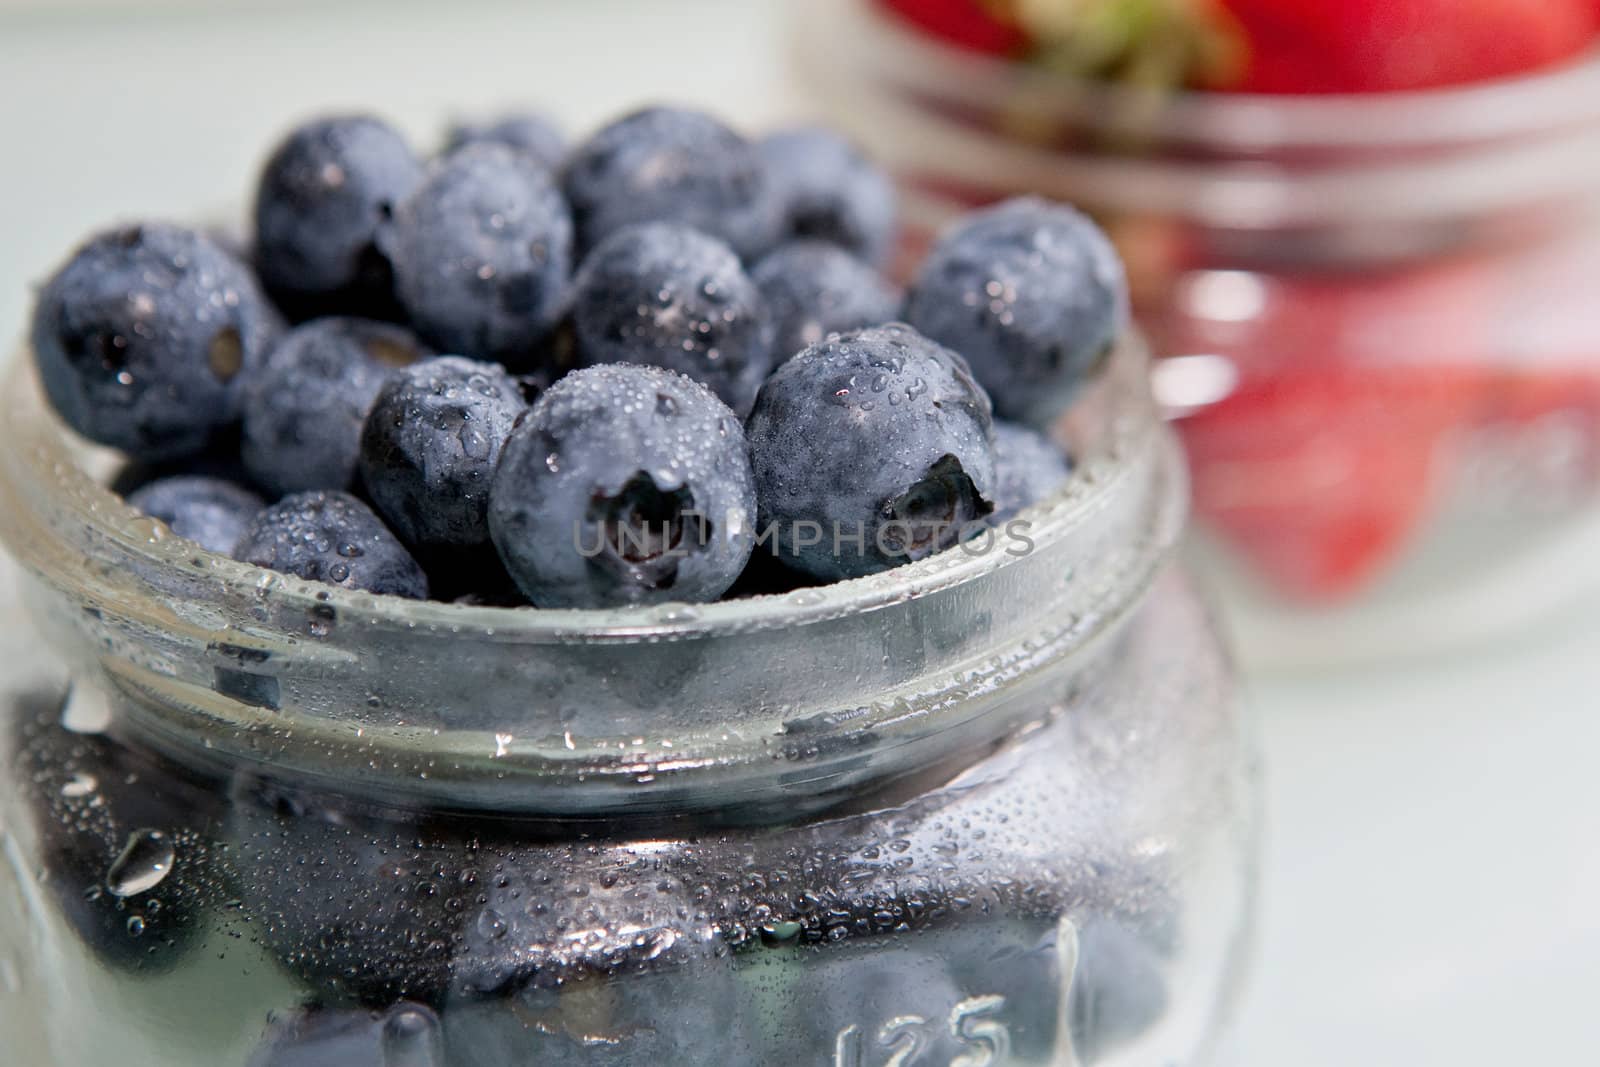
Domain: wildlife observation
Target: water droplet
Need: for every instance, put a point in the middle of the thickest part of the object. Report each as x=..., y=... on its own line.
x=659, y=942
x=491, y=925
x=79, y=785
x=321, y=617
x=87, y=711
x=779, y=933
x=135, y=925
x=145, y=860
x=411, y=1037
x=474, y=442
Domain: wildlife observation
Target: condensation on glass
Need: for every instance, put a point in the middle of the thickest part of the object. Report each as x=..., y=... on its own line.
x=991, y=808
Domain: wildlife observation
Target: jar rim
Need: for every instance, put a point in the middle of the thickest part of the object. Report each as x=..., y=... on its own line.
x=791, y=700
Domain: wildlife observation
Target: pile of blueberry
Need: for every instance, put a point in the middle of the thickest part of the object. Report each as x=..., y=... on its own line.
x=592, y=376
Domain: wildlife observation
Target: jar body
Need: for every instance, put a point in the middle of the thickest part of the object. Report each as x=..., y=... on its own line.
x=996, y=806
x=1075, y=891
x=1383, y=358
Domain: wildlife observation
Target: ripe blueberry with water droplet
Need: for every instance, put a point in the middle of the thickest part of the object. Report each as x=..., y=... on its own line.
x=666, y=294
x=145, y=338
x=870, y=450
x=305, y=406
x=814, y=289
x=1031, y=293
x=672, y=165
x=624, y=485
x=430, y=447
x=325, y=193
x=829, y=191
x=482, y=253
x=211, y=512
x=1028, y=467
x=331, y=537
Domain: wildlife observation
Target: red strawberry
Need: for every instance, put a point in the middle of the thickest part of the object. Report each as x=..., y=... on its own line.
x=1271, y=46
x=1361, y=46
x=1319, y=463
x=1321, y=477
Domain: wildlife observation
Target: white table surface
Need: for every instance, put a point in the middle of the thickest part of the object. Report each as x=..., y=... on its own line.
x=1432, y=883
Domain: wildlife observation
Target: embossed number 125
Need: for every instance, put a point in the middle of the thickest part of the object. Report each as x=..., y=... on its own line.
x=972, y=1022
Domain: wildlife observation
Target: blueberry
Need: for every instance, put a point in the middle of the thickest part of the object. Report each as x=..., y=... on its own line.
x=828, y=190
x=128, y=841
x=370, y=906
x=813, y=289
x=672, y=165
x=540, y=139
x=324, y=194
x=145, y=338
x=666, y=294
x=305, y=406
x=1027, y=468
x=879, y=434
x=403, y=1035
x=689, y=1015
x=624, y=485
x=331, y=537
x=529, y=936
x=354, y=905
x=211, y=512
x=482, y=253
x=1032, y=293
x=1119, y=990
x=430, y=447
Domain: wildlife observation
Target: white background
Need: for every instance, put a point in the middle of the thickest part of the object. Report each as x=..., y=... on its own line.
x=1432, y=884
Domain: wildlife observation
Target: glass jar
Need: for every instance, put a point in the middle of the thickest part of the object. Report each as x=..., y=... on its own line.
x=994, y=807
x=1384, y=358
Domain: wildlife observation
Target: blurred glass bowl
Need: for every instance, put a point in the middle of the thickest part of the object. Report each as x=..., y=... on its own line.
x=1383, y=357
